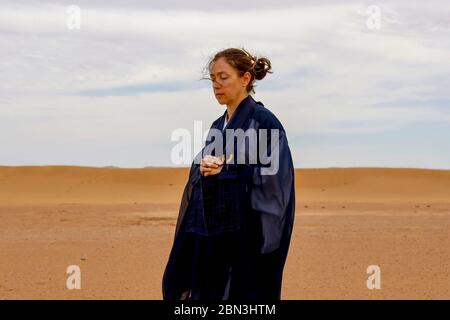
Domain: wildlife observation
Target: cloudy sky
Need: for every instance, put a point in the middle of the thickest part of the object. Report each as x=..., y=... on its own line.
x=355, y=84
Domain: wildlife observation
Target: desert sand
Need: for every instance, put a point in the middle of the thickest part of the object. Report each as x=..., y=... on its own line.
x=118, y=224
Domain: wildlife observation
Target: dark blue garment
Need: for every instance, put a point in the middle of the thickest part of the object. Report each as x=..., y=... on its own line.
x=216, y=204
x=234, y=228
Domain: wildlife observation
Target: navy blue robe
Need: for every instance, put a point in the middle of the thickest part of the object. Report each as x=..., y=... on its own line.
x=234, y=228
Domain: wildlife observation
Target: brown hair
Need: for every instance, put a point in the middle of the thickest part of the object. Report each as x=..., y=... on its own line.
x=243, y=61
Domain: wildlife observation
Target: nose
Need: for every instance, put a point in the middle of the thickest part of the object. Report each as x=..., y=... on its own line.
x=216, y=83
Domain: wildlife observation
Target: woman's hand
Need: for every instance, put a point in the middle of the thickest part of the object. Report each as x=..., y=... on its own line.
x=211, y=165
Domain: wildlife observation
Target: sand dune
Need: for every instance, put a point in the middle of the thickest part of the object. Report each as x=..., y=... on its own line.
x=374, y=184
x=117, y=225
x=57, y=184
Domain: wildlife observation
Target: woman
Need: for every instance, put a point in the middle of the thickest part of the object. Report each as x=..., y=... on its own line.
x=236, y=216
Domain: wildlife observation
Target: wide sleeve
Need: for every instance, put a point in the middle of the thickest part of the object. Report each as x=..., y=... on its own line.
x=272, y=195
x=194, y=178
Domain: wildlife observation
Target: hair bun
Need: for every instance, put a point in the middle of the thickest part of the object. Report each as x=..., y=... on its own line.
x=261, y=67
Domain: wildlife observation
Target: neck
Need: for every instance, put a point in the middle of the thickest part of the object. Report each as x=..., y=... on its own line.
x=232, y=106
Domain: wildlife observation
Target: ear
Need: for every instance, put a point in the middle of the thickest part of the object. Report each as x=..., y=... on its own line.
x=246, y=78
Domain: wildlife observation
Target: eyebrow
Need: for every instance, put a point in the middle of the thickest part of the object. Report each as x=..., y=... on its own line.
x=218, y=73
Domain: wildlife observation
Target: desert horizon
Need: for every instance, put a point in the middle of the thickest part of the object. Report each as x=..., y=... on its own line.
x=117, y=225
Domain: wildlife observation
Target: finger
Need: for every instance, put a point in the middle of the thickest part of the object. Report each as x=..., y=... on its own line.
x=211, y=159
x=210, y=171
x=218, y=160
x=208, y=158
x=205, y=161
x=214, y=171
x=210, y=165
x=206, y=170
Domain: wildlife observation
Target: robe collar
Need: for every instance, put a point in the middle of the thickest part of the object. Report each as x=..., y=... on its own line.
x=238, y=120
x=240, y=115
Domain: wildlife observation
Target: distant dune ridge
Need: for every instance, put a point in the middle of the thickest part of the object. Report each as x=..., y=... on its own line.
x=118, y=225
x=56, y=184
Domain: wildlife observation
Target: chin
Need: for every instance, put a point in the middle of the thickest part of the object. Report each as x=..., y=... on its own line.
x=221, y=100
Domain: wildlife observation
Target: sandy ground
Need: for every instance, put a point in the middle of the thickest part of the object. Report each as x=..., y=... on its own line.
x=117, y=225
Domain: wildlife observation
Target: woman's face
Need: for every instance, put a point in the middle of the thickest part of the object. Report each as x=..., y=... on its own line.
x=227, y=84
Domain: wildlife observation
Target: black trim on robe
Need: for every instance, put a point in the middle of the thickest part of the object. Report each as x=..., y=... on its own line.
x=234, y=228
